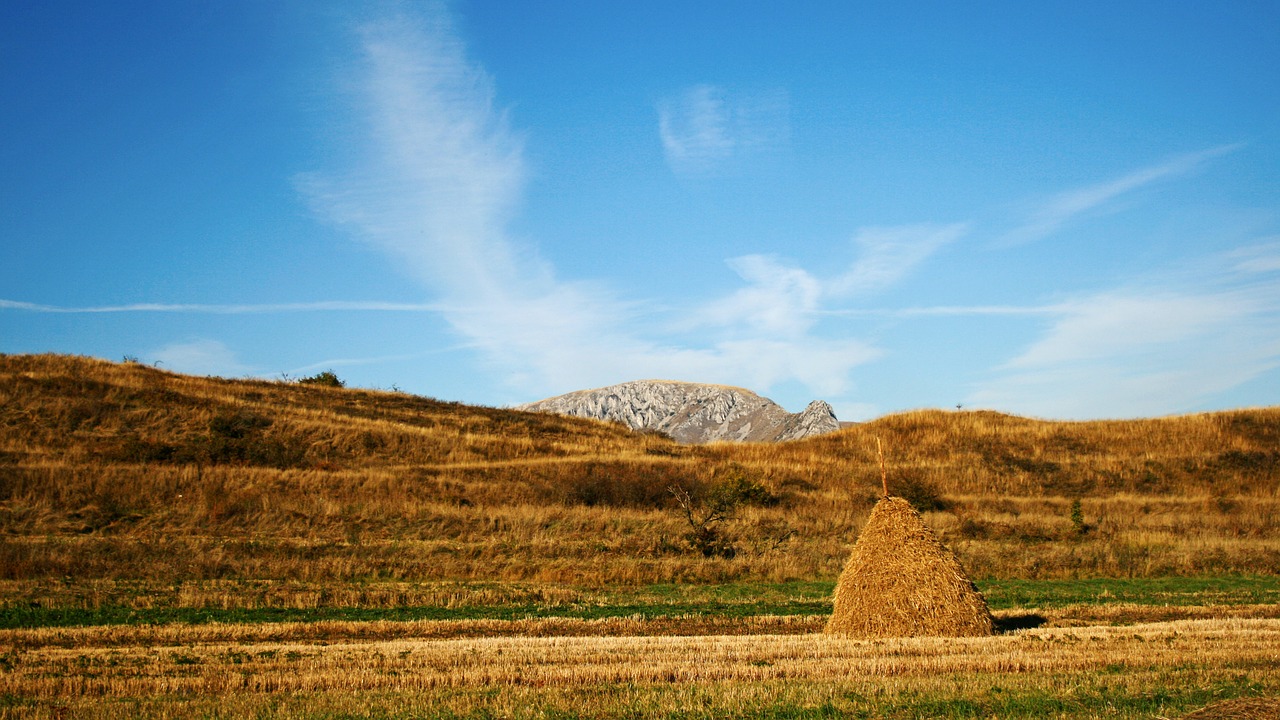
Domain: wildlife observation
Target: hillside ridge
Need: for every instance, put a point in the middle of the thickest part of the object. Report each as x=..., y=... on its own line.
x=114, y=471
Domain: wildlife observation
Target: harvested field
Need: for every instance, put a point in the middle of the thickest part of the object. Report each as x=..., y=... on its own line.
x=1155, y=666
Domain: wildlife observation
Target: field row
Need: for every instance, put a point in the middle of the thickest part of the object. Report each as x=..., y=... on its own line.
x=1133, y=671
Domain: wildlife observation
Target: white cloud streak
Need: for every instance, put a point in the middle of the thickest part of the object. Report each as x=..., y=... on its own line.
x=783, y=300
x=361, y=361
x=230, y=309
x=706, y=126
x=695, y=129
x=778, y=300
x=1161, y=348
x=1112, y=325
x=1258, y=258
x=201, y=357
x=441, y=177
x=1067, y=206
x=949, y=311
x=444, y=172
x=887, y=254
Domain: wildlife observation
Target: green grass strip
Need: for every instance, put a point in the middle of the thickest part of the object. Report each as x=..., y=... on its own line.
x=1176, y=591
x=735, y=600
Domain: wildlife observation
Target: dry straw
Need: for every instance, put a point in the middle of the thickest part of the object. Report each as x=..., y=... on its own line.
x=901, y=581
x=1243, y=709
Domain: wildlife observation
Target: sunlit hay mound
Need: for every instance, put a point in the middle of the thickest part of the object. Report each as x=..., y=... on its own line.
x=901, y=582
x=1244, y=709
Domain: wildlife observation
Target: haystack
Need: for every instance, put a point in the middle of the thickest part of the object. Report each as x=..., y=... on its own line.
x=901, y=582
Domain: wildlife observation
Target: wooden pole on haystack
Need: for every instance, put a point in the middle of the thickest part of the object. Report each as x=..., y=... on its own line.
x=884, y=475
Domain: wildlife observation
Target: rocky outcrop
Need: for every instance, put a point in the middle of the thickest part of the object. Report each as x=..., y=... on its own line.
x=693, y=412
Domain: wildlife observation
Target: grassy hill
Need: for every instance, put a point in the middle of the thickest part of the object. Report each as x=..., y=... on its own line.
x=123, y=473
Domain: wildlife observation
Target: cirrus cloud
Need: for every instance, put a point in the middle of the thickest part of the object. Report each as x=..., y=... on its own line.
x=706, y=127
x=1160, y=347
x=440, y=176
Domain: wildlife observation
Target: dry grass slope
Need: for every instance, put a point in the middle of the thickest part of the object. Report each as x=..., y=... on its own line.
x=123, y=471
x=902, y=582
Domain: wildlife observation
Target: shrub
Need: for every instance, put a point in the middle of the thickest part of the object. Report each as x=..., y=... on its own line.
x=617, y=484
x=922, y=494
x=239, y=438
x=131, y=448
x=739, y=489
x=1077, y=517
x=237, y=426
x=325, y=379
x=707, y=533
x=710, y=512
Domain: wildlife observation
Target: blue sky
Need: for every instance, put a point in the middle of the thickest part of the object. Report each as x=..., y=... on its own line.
x=1063, y=210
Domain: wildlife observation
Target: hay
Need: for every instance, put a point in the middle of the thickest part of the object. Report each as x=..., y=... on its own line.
x=1243, y=709
x=901, y=582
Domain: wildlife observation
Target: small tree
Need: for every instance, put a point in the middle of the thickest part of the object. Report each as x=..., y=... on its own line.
x=1077, y=517
x=707, y=533
x=713, y=510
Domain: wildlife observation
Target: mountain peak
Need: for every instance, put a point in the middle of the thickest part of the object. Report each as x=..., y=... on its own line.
x=693, y=412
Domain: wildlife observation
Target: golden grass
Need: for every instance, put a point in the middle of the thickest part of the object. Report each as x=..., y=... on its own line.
x=646, y=672
x=330, y=632
x=125, y=471
x=901, y=582
x=122, y=484
x=1240, y=709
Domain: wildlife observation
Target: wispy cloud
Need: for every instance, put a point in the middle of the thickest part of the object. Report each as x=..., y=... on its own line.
x=1065, y=207
x=1156, y=348
x=949, y=311
x=781, y=299
x=705, y=126
x=1112, y=325
x=695, y=129
x=443, y=173
x=331, y=363
x=778, y=300
x=201, y=357
x=887, y=254
x=230, y=309
x=1261, y=257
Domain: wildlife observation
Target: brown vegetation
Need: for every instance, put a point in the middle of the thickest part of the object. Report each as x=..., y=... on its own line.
x=1240, y=709
x=125, y=486
x=125, y=471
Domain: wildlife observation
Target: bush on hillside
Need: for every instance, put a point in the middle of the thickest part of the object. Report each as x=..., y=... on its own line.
x=616, y=484
x=923, y=495
x=711, y=511
x=324, y=379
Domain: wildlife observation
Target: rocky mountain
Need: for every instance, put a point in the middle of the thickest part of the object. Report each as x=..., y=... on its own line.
x=693, y=412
